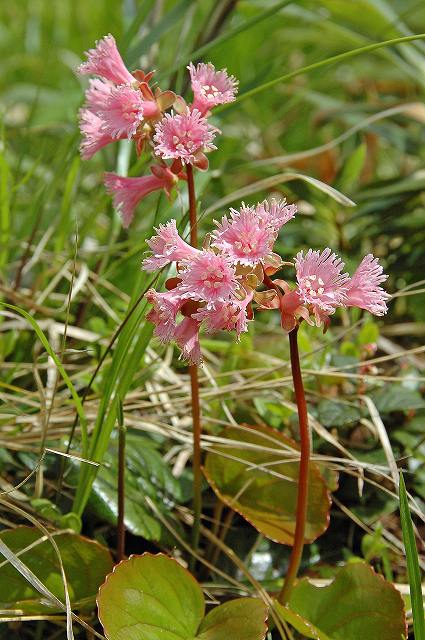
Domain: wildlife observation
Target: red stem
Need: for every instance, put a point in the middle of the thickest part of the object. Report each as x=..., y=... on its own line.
x=302, y=497
x=194, y=386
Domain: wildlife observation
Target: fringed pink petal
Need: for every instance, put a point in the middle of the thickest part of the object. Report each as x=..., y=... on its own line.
x=167, y=246
x=187, y=338
x=105, y=61
x=183, y=136
x=364, y=288
x=210, y=87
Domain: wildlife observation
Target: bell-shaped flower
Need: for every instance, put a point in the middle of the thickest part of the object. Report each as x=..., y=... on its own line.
x=209, y=277
x=364, y=290
x=128, y=192
x=105, y=61
x=243, y=237
x=124, y=109
x=275, y=213
x=97, y=94
x=186, y=137
x=320, y=282
x=210, y=87
x=167, y=246
x=165, y=307
x=94, y=137
x=226, y=316
x=186, y=337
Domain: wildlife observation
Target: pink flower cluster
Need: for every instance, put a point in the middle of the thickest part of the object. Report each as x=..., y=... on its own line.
x=322, y=288
x=215, y=287
x=122, y=105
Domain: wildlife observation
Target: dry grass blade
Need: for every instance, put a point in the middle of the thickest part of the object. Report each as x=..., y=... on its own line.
x=268, y=183
x=383, y=437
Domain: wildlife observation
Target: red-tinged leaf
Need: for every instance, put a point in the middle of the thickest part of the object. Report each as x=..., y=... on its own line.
x=152, y=597
x=86, y=563
x=240, y=619
x=357, y=604
x=256, y=475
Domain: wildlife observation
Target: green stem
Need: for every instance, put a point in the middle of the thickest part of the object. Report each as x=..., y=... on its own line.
x=121, y=485
x=302, y=498
x=194, y=387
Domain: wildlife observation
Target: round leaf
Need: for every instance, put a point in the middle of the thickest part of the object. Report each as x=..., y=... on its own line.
x=253, y=476
x=85, y=563
x=357, y=604
x=151, y=597
x=241, y=619
x=155, y=598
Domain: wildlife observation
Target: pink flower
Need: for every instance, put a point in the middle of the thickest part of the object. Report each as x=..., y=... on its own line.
x=97, y=94
x=105, y=61
x=167, y=247
x=208, y=277
x=187, y=338
x=165, y=307
x=185, y=137
x=275, y=213
x=128, y=192
x=245, y=238
x=320, y=282
x=363, y=288
x=123, y=110
x=94, y=138
x=211, y=87
x=226, y=316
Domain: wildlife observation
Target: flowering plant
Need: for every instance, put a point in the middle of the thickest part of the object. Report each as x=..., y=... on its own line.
x=122, y=105
x=218, y=287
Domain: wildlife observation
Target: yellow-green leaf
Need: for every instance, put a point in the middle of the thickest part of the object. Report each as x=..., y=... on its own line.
x=256, y=474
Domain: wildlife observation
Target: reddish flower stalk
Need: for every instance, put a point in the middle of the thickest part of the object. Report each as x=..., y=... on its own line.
x=302, y=498
x=194, y=386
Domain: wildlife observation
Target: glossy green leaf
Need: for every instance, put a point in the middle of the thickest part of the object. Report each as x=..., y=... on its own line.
x=357, y=604
x=337, y=414
x=395, y=397
x=146, y=474
x=153, y=597
x=255, y=475
x=85, y=563
x=240, y=619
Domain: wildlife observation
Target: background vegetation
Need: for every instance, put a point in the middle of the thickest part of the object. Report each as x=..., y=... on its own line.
x=357, y=126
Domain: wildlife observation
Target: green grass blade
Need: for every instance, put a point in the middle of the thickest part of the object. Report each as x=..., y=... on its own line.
x=67, y=202
x=412, y=564
x=195, y=55
x=125, y=362
x=4, y=211
x=272, y=181
x=318, y=65
x=164, y=25
x=135, y=25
